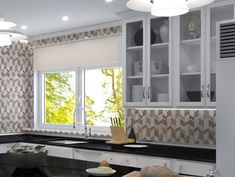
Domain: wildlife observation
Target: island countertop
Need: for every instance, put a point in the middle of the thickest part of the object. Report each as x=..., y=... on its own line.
x=57, y=167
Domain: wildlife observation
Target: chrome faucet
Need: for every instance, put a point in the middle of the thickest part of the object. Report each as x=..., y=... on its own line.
x=85, y=121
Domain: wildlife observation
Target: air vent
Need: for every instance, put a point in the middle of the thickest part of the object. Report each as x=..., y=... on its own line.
x=227, y=40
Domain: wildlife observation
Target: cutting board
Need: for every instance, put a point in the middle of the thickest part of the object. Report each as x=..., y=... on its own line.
x=137, y=174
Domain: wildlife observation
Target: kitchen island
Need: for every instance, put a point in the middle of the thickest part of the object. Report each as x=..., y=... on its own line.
x=56, y=167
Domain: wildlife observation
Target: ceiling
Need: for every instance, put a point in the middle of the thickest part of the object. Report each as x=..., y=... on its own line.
x=44, y=16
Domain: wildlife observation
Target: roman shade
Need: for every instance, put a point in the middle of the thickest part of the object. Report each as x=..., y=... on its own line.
x=88, y=52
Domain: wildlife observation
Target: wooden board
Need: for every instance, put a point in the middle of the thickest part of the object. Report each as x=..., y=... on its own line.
x=115, y=142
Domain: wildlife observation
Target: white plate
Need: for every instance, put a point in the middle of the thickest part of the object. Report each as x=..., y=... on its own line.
x=97, y=172
x=135, y=146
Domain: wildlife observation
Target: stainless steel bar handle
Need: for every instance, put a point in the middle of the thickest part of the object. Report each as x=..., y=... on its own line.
x=144, y=92
x=208, y=90
x=149, y=92
x=202, y=91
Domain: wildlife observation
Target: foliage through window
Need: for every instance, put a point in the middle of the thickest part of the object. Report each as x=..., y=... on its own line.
x=103, y=95
x=59, y=97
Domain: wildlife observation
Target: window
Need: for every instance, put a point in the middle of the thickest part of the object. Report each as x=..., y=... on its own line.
x=103, y=95
x=59, y=95
x=97, y=90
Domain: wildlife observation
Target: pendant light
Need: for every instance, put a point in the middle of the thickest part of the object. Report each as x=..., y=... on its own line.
x=8, y=35
x=140, y=5
x=169, y=8
x=192, y=4
x=166, y=8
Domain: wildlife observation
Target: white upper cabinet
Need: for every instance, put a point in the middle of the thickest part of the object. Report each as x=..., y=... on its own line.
x=159, y=64
x=191, y=56
x=215, y=13
x=170, y=62
x=135, y=56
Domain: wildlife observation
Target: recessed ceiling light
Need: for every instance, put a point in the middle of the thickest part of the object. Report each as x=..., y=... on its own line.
x=24, y=27
x=108, y=0
x=65, y=18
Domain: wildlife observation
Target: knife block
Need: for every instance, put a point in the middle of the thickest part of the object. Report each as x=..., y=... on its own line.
x=118, y=135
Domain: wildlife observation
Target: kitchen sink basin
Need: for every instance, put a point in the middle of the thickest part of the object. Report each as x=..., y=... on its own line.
x=68, y=142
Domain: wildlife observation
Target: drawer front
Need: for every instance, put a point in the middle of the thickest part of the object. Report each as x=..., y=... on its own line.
x=55, y=151
x=62, y=152
x=88, y=155
x=191, y=167
x=5, y=147
x=143, y=161
x=120, y=159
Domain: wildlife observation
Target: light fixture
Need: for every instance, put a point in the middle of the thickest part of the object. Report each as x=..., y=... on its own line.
x=8, y=35
x=65, y=18
x=166, y=8
x=169, y=8
x=140, y=5
x=5, y=39
x=6, y=24
x=108, y=1
x=24, y=27
x=192, y=4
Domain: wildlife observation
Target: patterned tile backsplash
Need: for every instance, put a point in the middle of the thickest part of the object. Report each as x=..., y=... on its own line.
x=193, y=127
x=16, y=87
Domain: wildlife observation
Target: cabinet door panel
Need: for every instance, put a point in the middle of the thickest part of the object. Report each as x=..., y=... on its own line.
x=88, y=155
x=120, y=159
x=215, y=13
x=191, y=60
x=143, y=161
x=159, y=61
x=134, y=67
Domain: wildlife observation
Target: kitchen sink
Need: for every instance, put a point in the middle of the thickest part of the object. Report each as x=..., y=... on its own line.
x=67, y=142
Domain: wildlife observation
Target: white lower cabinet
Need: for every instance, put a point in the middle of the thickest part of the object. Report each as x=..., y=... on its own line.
x=120, y=159
x=88, y=155
x=62, y=152
x=143, y=161
x=55, y=151
x=5, y=147
x=191, y=167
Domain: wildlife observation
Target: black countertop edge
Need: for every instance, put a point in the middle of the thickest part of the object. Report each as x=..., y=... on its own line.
x=164, y=151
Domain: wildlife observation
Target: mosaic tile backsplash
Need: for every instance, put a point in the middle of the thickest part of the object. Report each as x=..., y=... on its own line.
x=104, y=32
x=173, y=126
x=16, y=87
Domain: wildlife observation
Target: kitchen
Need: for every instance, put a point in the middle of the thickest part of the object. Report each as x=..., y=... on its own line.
x=75, y=91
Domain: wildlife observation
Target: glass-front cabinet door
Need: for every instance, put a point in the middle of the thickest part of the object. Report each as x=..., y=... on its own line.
x=159, y=61
x=191, y=67
x=215, y=13
x=134, y=64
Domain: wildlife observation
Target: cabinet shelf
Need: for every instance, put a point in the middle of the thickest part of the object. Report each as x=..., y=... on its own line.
x=191, y=74
x=191, y=42
x=134, y=77
x=160, y=76
x=160, y=45
x=135, y=48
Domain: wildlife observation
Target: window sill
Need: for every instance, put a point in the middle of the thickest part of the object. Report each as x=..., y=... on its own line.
x=66, y=133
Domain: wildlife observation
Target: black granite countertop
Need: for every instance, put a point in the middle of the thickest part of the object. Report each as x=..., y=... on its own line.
x=175, y=152
x=56, y=167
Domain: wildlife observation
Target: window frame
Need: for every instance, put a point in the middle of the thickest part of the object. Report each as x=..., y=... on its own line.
x=80, y=91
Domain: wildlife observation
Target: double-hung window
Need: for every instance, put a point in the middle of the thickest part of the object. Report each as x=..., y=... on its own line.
x=66, y=98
